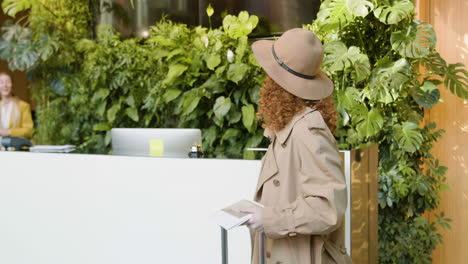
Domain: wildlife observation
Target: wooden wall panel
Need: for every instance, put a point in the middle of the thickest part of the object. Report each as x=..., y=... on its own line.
x=450, y=21
x=364, y=205
x=373, y=204
x=359, y=207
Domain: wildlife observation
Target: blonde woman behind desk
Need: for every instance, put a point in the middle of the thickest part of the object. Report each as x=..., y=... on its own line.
x=15, y=114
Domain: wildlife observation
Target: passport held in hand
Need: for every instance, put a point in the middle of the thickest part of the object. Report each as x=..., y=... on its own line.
x=231, y=216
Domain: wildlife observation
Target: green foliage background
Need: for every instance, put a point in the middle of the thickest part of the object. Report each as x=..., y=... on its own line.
x=178, y=77
x=383, y=63
x=386, y=71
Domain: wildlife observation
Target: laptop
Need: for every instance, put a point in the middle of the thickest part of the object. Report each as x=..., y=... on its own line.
x=154, y=142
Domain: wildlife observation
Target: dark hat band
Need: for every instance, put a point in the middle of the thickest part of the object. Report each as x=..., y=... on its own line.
x=282, y=64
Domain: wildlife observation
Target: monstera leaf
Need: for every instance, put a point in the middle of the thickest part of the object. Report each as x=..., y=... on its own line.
x=426, y=95
x=435, y=63
x=455, y=76
x=349, y=98
x=6, y=48
x=17, y=46
x=339, y=57
x=456, y=80
x=372, y=122
x=334, y=14
x=362, y=67
x=26, y=60
x=12, y=7
x=408, y=137
x=415, y=42
x=359, y=8
x=388, y=78
x=47, y=46
x=348, y=101
x=57, y=86
x=368, y=122
x=392, y=12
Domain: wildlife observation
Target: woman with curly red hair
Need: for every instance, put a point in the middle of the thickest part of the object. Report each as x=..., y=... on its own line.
x=301, y=184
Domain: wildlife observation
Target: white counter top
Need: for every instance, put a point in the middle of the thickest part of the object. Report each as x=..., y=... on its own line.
x=98, y=209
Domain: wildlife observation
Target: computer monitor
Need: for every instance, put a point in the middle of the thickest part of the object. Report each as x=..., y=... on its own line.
x=154, y=142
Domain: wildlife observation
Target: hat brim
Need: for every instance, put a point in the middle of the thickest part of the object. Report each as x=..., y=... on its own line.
x=311, y=89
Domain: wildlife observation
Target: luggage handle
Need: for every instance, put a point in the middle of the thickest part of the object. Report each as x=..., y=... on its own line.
x=224, y=247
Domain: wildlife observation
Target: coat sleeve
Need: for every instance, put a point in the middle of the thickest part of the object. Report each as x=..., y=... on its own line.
x=26, y=125
x=320, y=208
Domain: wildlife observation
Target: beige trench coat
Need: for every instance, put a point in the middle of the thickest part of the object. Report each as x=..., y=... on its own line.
x=303, y=189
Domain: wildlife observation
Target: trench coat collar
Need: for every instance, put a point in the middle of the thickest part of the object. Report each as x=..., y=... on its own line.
x=284, y=133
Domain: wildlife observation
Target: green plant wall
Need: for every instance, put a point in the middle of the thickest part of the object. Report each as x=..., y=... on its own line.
x=382, y=61
x=386, y=72
x=177, y=77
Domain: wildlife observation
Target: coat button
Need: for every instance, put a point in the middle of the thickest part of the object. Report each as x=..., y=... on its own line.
x=268, y=254
x=276, y=182
x=343, y=250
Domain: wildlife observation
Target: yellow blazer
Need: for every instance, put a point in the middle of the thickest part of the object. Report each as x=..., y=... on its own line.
x=25, y=125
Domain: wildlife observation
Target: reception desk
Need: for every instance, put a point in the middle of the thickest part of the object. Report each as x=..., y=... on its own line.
x=98, y=209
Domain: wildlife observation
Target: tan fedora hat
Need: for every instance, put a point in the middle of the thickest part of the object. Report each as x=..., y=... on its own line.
x=293, y=61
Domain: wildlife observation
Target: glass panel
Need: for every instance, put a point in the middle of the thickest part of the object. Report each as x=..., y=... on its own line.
x=136, y=21
x=276, y=16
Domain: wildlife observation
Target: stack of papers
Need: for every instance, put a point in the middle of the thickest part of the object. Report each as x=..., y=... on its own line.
x=230, y=217
x=52, y=149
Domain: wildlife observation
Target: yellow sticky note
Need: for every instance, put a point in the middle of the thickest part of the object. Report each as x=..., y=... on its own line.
x=156, y=148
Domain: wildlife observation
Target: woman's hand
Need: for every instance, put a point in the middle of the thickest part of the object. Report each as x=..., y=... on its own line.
x=255, y=222
x=4, y=132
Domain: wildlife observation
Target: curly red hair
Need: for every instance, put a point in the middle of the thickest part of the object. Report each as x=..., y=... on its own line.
x=277, y=107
